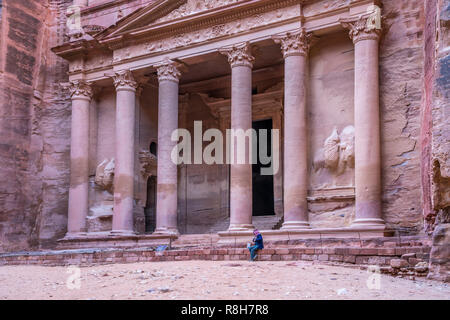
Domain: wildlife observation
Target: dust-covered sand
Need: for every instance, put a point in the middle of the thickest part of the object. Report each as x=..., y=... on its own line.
x=192, y=280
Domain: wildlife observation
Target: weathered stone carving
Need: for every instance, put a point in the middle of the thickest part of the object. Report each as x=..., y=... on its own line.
x=79, y=89
x=104, y=175
x=347, y=148
x=148, y=163
x=338, y=151
x=93, y=29
x=203, y=35
x=239, y=55
x=124, y=80
x=295, y=43
x=331, y=150
x=362, y=28
x=194, y=6
x=169, y=71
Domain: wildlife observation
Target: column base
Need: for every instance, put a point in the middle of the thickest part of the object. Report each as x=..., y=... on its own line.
x=166, y=231
x=241, y=227
x=369, y=222
x=75, y=235
x=295, y=225
x=122, y=233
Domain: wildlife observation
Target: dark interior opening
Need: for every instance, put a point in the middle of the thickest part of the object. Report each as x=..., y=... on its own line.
x=263, y=197
x=153, y=148
x=150, y=206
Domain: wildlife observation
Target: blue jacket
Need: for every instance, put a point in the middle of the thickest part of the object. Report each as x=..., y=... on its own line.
x=258, y=240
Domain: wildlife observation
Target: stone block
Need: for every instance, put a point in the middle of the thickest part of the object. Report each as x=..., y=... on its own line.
x=350, y=259
x=369, y=251
x=414, y=261
x=287, y=257
x=265, y=257
x=322, y=257
x=361, y=260
x=354, y=251
x=399, y=263
x=400, y=251
x=389, y=244
x=406, y=256
x=341, y=251
x=376, y=260
x=336, y=258
x=386, y=252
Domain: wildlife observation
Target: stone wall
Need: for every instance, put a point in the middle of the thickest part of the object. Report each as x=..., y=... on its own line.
x=34, y=125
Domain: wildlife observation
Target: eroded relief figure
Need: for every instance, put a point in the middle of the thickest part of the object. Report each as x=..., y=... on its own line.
x=104, y=175
x=331, y=150
x=338, y=153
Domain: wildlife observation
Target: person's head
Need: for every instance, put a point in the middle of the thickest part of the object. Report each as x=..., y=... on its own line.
x=255, y=232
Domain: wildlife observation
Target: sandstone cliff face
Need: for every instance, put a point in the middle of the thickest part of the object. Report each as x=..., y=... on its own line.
x=401, y=67
x=437, y=161
x=34, y=125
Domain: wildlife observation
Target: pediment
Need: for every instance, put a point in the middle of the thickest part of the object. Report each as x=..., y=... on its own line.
x=162, y=12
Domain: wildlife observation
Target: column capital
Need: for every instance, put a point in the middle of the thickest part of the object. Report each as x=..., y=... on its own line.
x=363, y=27
x=124, y=80
x=169, y=70
x=239, y=55
x=295, y=43
x=79, y=89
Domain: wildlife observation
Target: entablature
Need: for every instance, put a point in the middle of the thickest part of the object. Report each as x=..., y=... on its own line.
x=176, y=29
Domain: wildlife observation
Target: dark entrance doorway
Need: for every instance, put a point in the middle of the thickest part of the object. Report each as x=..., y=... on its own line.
x=150, y=206
x=263, y=198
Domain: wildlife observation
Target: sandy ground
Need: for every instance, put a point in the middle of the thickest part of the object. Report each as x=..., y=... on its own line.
x=210, y=280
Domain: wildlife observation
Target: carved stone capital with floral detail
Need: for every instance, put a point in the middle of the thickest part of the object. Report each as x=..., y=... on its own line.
x=239, y=55
x=79, y=89
x=169, y=71
x=295, y=43
x=363, y=27
x=124, y=80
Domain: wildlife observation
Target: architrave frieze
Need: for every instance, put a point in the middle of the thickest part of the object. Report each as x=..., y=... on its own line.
x=209, y=34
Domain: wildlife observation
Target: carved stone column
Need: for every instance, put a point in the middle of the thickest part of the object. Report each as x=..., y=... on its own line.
x=125, y=153
x=241, y=61
x=366, y=38
x=167, y=197
x=295, y=48
x=81, y=94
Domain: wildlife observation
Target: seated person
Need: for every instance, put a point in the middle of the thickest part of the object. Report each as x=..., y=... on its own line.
x=258, y=244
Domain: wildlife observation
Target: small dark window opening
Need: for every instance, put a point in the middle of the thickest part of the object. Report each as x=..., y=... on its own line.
x=154, y=149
